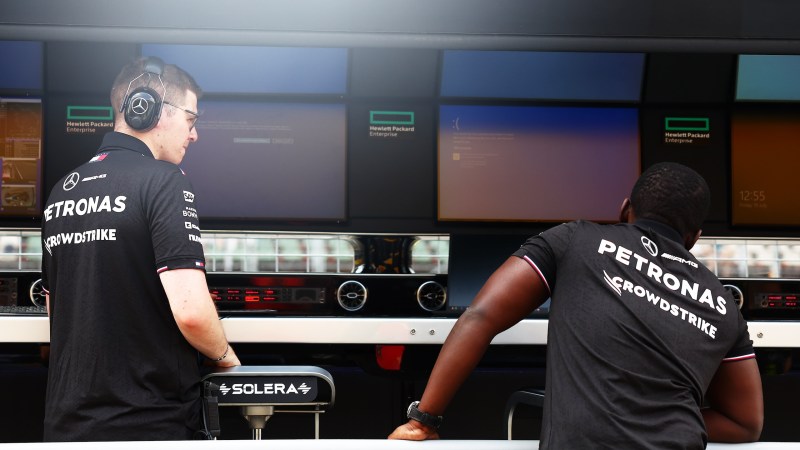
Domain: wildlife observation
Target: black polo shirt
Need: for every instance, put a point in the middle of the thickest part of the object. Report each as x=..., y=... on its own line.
x=119, y=367
x=637, y=330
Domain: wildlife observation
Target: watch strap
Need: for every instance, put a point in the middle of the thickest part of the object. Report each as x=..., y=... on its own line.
x=422, y=417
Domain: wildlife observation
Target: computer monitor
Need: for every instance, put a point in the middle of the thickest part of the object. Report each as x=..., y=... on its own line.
x=21, y=159
x=473, y=259
x=764, y=162
x=260, y=160
x=535, y=163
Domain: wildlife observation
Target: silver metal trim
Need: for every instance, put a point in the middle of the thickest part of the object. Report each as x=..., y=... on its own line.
x=738, y=295
x=343, y=291
x=422, y=295
x=36, y=294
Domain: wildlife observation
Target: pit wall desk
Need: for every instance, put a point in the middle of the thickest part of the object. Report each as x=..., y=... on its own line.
x=26, y=329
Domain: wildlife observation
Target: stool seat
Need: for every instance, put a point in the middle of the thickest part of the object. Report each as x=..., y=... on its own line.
x=259, y=390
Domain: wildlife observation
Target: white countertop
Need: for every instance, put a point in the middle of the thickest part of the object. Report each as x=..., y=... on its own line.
x=342, y=444
x=351, y=330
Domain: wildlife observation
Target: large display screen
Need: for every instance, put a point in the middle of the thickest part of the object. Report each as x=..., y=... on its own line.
x=539, y=164
x=764, y=162
x=250, y=69
x=543, y=75
x=269, y=161
x=21, y=137
x=22, y=65
x=768, y=78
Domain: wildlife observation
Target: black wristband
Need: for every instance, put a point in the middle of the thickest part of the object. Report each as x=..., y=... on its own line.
x=423, y=417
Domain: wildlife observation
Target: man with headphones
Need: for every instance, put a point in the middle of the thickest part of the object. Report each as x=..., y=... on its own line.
x=124, y=272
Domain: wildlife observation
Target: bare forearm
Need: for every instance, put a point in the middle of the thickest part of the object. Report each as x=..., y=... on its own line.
x=196, y=315
x=721, y=428
x=460, y=354
x=735, y=402
x=205, y=333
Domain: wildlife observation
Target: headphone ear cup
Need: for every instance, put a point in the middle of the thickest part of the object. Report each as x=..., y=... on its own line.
x=142, y=109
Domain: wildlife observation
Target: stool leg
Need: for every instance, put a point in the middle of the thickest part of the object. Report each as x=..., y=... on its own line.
x=257, y=417
x=511, y=420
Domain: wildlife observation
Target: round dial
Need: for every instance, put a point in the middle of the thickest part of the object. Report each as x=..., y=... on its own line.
x=431, y=296
x=351, y=295
x=36, y=294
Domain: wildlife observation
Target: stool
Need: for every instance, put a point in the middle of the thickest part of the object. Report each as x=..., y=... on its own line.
x=528, y=396
x=262, y=391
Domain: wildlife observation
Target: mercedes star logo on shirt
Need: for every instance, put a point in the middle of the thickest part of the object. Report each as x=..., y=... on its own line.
x=72, y=181
x=650, y=246
x=139, y=105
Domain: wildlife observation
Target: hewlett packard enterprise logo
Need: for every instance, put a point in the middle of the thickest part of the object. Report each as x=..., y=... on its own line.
x=392, y=124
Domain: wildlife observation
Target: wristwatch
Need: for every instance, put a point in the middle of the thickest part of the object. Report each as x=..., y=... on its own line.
x=423, y=417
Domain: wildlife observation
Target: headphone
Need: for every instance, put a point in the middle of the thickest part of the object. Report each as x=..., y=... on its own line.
x=142, y=106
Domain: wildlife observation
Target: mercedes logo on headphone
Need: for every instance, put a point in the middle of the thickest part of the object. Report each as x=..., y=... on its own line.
x=139, y=105
x=650, y=246
x=72, y=181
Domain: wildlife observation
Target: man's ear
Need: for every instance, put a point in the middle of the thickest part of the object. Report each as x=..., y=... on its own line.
x=625, y=212
x=690, y=240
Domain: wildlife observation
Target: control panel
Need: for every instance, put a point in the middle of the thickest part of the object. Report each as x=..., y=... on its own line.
x=378, y=295
x=383, y=295
x=9, y=294
x=21, y=293
x=777, y=301
x=270, y=298
x=761, y=299
x=367, y=295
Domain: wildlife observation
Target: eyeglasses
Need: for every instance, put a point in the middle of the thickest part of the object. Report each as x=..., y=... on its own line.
x=194, y=115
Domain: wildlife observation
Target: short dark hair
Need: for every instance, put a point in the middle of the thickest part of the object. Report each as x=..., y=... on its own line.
x=176, y=81
x=673, y=194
